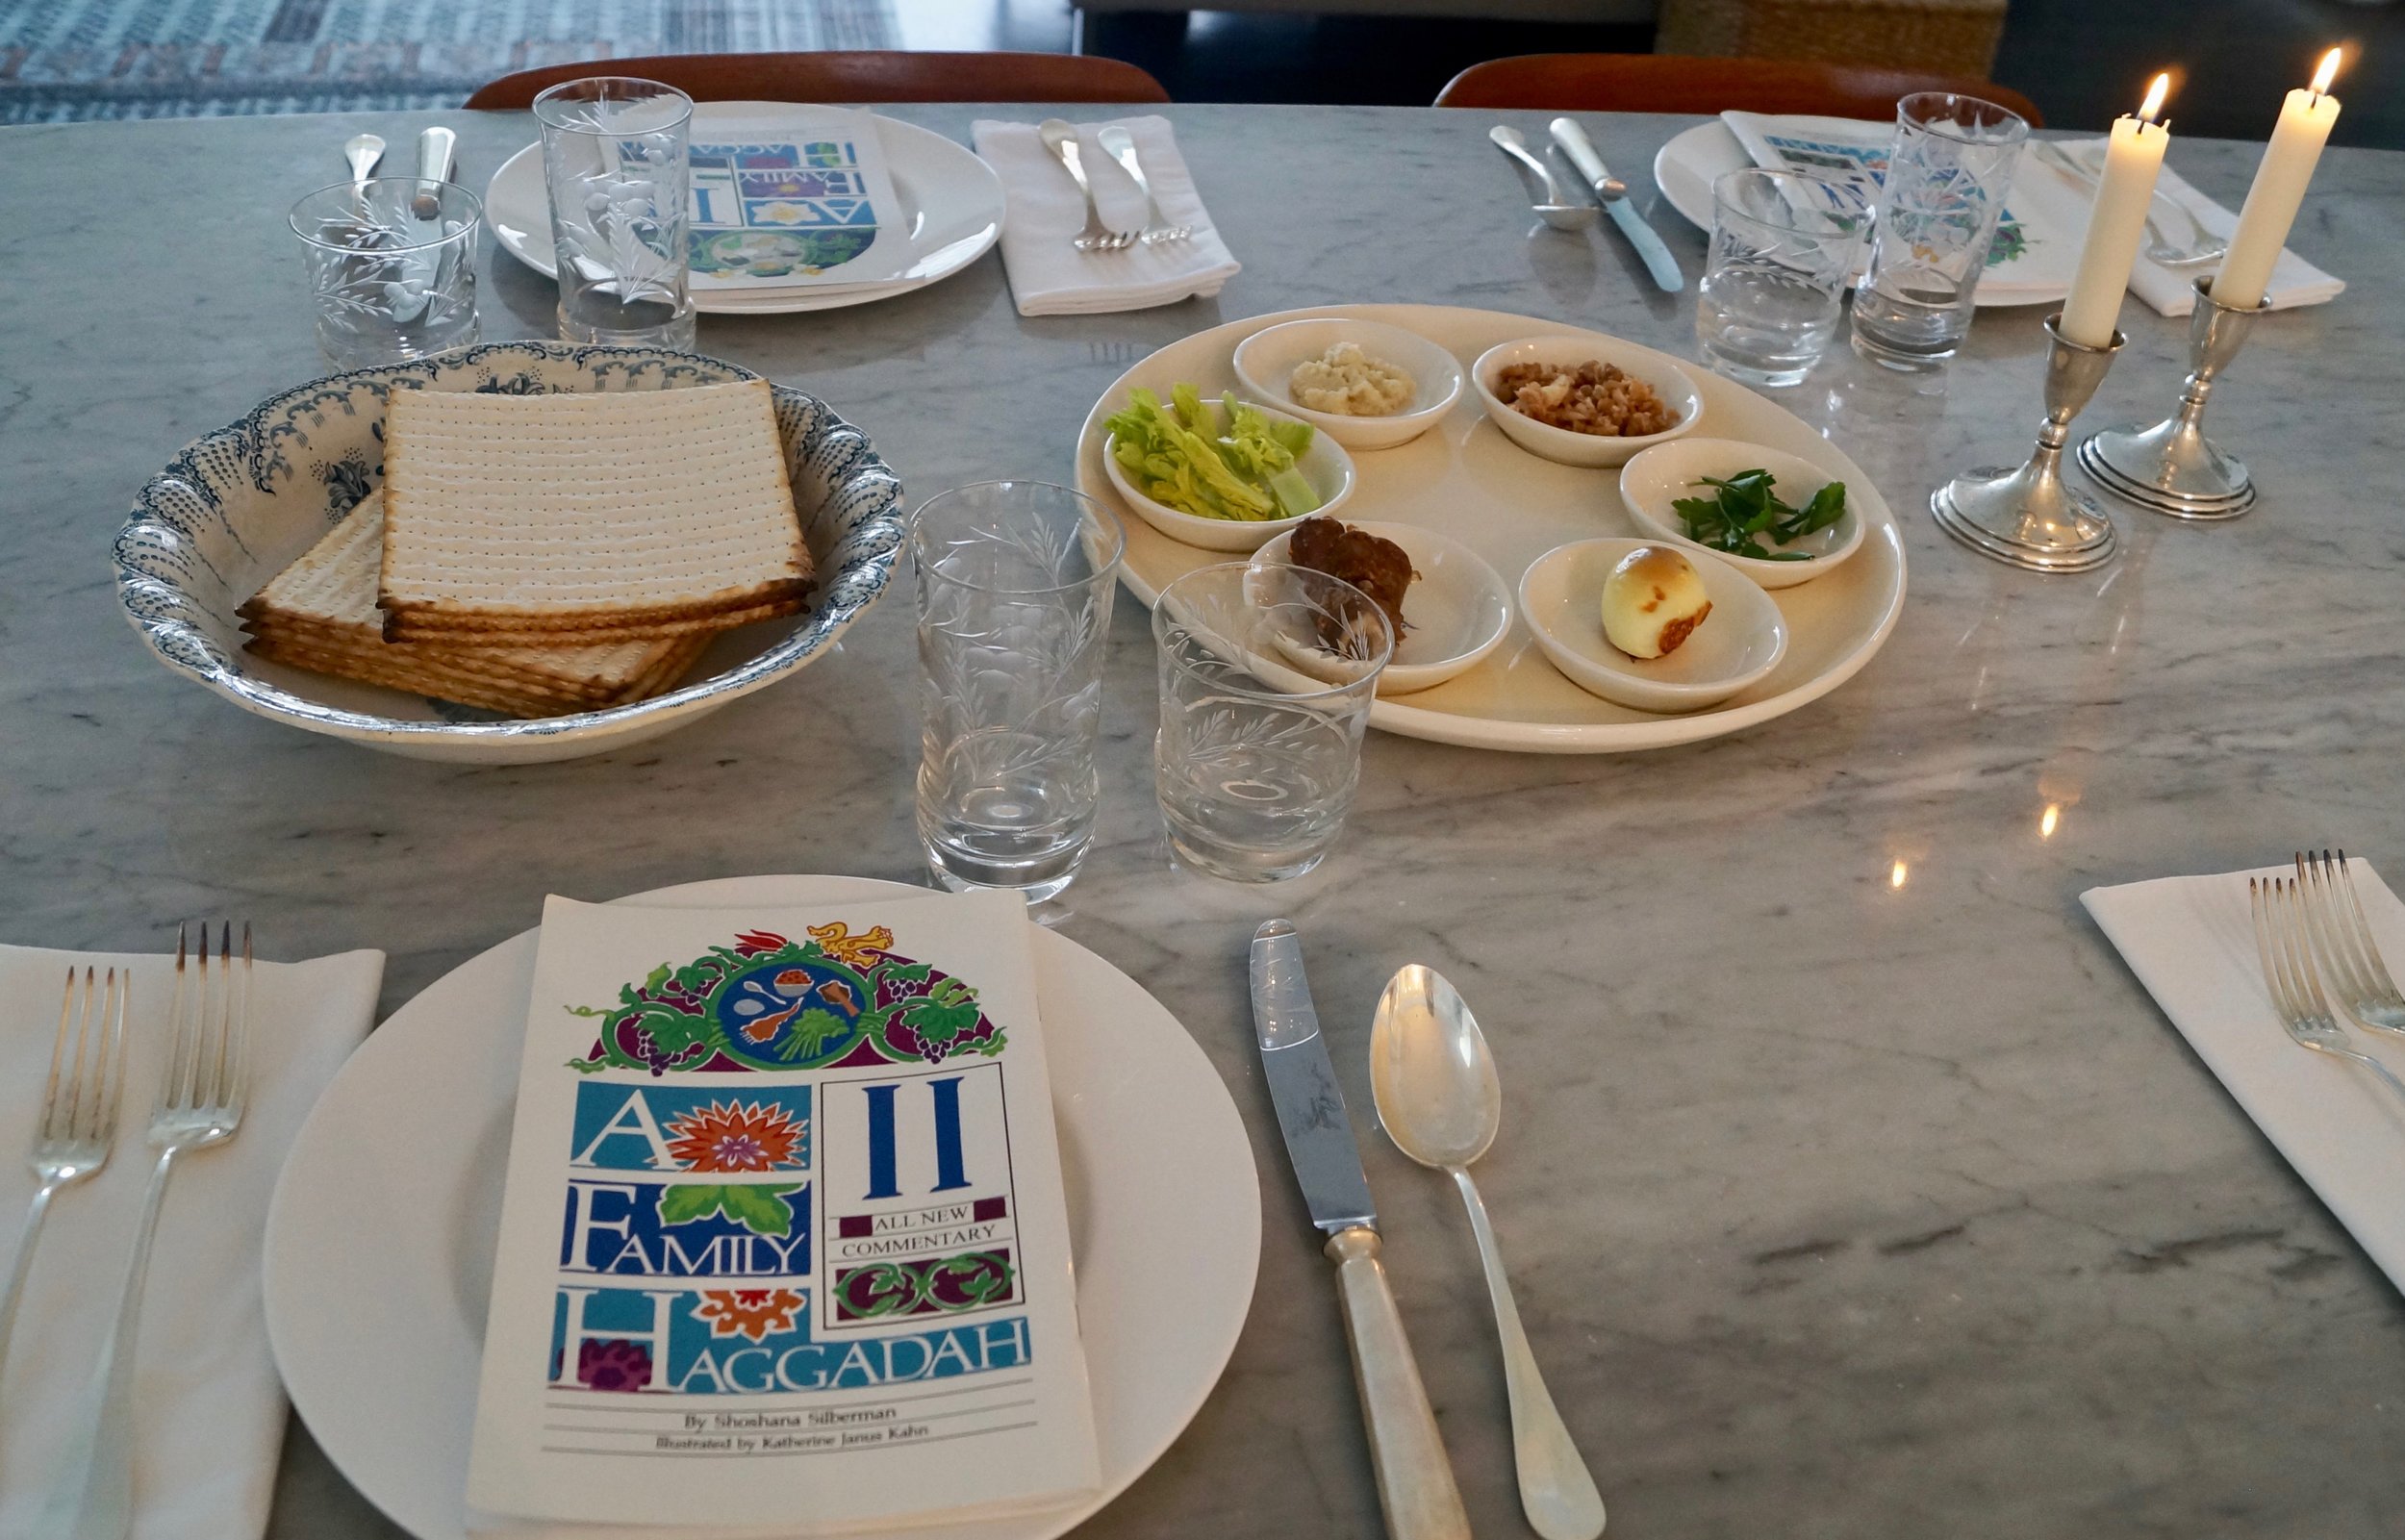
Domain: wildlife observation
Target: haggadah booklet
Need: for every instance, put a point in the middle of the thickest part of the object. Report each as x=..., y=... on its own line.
x=783, y=1248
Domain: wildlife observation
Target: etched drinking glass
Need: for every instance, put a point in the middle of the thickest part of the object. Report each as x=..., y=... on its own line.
x=392, y=269
x=1014, y=584
x=1935, y=232
x=1267, y=674
x=1783, y=246
x=614, y=161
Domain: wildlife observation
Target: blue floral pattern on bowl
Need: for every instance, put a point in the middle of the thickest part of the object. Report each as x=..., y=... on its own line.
x=241, y=503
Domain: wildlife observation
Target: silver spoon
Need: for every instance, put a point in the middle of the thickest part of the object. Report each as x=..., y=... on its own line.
x=362, y=151
x=1552, y=211
x=1440, y=1102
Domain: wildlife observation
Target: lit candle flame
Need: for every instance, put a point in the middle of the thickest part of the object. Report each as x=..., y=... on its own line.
x=2155, y=93
x=2329, y=70
x=1896, y=875
x=2049, y=821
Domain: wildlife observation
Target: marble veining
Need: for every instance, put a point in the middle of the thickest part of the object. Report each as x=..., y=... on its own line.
x=1853, y=1187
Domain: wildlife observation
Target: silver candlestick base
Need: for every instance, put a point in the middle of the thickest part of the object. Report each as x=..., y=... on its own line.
x=2172, y=467
x=2028, y=517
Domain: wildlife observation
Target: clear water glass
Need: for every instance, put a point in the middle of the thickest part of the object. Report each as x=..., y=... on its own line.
x=615, y=163
x=1943, y=191
x=1783, y=246
x=1015, y=583
x=392, y=269
x=1267, y=676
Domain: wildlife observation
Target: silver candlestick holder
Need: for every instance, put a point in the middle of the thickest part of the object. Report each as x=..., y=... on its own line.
x=2172, y=467
x=2029, y=517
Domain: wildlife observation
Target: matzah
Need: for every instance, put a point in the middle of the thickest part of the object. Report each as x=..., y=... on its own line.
x=419, y=679
x=327, y=599
x=319, y=614
x=626, y=513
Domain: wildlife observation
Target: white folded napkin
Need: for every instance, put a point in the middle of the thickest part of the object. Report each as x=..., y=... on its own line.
x=208, y=1409
x=2172, y=291
x=1048, y=276
x=2191, y=942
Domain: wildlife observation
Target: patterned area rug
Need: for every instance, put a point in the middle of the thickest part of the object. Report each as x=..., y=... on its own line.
x=66, y=61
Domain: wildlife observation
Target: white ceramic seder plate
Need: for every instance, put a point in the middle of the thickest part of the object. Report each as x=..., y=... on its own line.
x=1465, y=479
x=1685, y=168
x=953, y=200
x=380, y=1237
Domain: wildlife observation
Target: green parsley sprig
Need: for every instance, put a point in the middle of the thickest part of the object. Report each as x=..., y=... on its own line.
x=1746, y=509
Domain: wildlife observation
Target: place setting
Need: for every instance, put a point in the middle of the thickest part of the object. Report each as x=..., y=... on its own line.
x=854, y=913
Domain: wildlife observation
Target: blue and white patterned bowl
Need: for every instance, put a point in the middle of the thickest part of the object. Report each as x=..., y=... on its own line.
x=239, y=504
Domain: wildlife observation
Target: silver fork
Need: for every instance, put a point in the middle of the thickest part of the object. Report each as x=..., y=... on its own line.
x=1121, y=146
x=79, y=1112
x=2288, y=968
x=1061, y=139
x=2359, y=979
x=200, y=1103
x=2162, y=250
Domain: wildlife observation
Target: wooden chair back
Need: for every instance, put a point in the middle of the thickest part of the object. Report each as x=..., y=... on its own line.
x=1673, y=83
x=868, y=75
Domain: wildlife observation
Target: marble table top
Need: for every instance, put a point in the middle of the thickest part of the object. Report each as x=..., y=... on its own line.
x=1852, y=1186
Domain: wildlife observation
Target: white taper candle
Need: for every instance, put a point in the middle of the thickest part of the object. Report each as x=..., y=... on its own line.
x=2306, y=118
x=2132, y=158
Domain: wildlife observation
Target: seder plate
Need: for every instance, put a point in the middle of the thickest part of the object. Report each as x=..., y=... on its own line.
x=1465, y=479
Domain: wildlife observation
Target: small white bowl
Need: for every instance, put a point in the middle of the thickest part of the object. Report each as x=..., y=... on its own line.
x=1653, y=480
x=1588, y=450
x=1458, y=609
x=1325, y=464
x=1739, y=643
x=1266, y=362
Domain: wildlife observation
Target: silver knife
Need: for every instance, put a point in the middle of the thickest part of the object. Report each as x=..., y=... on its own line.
x=1415, y=1486
x=1656, y=256
x=422, y=272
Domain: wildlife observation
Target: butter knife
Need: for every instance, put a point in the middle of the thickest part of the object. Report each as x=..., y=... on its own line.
x=1614, y=198
x=1415, y=1485
x=421, y=271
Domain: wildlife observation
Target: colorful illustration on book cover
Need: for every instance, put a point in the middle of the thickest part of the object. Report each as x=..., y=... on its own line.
x=770, y=1004
x=731, y=1106
x=778, y=210
x=1865, y=168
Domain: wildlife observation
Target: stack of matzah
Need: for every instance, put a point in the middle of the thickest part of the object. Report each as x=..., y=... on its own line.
x=547, y=554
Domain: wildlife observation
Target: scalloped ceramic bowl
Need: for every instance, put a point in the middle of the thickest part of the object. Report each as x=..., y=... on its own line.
x=239, y=504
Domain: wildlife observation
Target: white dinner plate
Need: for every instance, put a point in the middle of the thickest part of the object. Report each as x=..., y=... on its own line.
x=2055, y=214
x=1465, y=479
x=380, y=1236
x=954, y=201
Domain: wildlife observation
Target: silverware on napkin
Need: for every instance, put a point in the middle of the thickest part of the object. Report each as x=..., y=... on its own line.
x=1061, y=139
x=2290, y=973
x=2160, y=250
x=1552, y=210
x=1614, y=199
x=200, y=1103
x=1415, y=1485
x=2359, y=976
x=1121, y=146
x=79, y=1112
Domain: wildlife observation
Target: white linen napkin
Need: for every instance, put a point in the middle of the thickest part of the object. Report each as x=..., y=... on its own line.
x=1048, y=276
x=208, y=1409
x=2191, y=942
x=2172, y=291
